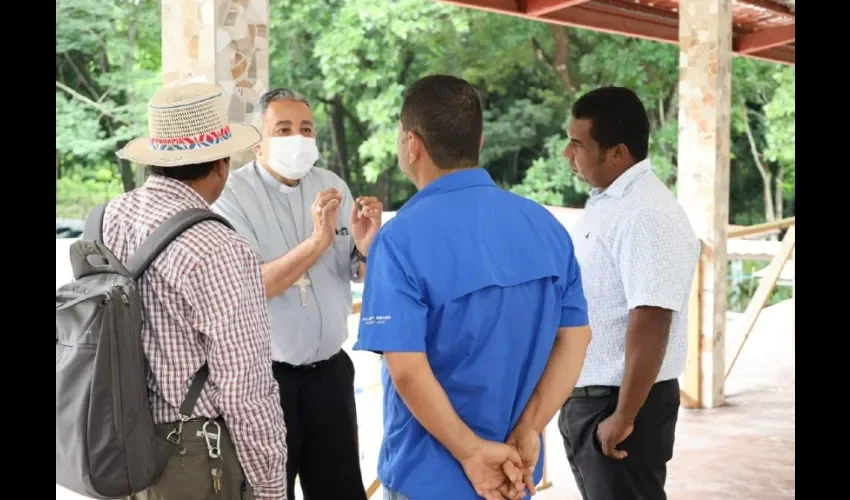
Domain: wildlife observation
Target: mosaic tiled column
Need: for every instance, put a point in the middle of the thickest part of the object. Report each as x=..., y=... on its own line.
x=705, y=60
x=225, y=42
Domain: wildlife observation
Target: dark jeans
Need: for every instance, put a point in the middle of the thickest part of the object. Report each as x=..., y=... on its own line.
x=642, y=474
x=321, y=429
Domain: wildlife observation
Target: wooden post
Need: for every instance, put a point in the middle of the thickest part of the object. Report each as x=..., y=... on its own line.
x=220, y=42
x=705, y=84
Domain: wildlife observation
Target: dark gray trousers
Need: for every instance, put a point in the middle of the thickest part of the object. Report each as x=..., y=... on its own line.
x=642, y=474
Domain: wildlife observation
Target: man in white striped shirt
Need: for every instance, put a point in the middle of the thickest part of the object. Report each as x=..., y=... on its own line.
x=638, y=254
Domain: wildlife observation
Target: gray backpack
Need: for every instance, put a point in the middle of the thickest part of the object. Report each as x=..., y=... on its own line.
x=105, y=441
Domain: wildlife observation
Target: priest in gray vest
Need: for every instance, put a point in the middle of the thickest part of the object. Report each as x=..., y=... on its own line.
x=313, y=240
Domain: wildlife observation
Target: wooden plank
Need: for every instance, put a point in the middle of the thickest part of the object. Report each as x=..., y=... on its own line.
x=373, y=488
x=760, y=298
x=758, y=229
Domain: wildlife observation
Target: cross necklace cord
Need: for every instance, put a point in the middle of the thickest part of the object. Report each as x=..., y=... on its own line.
x=303, y=281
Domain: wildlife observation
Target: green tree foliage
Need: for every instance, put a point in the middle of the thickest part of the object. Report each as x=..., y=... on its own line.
x=107, y=67
x=353, y=59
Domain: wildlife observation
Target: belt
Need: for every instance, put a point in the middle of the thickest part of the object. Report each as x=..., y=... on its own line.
x=593, y=391
x=306, y=366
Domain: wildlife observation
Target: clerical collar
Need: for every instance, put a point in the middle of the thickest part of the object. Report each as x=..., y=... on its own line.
x=273, y=183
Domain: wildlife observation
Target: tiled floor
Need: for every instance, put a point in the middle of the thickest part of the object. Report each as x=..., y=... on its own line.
x=742, y=451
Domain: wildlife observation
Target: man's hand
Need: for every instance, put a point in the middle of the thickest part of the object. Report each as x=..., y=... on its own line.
x=486, y=469
x=526, y=440
x=613, y=431
x=365, y=221
x=324, y=212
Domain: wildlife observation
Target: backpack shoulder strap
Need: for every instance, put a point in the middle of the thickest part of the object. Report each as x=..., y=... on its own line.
x=165, y=234
x=94, y=224
x=188, y=405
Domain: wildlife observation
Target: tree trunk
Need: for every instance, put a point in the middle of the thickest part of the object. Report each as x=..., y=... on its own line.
x=778, y=202
x=559, y=62
x=128, y=180
x=338, y=136
x=513, y=172
x=382, y=187
x=766, y=177
x=58, y=165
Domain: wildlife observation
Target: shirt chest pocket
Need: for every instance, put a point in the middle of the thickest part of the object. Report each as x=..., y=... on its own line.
x=598, y=269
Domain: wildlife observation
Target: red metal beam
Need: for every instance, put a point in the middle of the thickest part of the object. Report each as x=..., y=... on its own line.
x=489, y=6
x=538, y=8
x=583, y=17
x=784, y=54
x=616, y=19
x=765, y=39
x=769, y=6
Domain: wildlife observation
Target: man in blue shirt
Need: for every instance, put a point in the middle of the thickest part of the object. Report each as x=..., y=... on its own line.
x=475, y=298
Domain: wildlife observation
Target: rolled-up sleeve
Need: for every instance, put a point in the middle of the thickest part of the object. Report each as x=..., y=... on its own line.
x=229, y=309
x=393, y=317
x=657, y=256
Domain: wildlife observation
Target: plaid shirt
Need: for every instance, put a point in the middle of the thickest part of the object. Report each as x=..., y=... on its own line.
x=205, y=301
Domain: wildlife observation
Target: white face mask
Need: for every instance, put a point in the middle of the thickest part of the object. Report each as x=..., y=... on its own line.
x=292, y=156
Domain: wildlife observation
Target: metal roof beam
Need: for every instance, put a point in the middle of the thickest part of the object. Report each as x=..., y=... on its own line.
x=765, y=39
x=541, y=7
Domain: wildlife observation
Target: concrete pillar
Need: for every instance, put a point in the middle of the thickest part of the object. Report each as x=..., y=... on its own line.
x=705, y=85
x=225, y=42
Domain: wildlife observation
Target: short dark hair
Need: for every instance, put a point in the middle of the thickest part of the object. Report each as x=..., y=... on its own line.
x=278, y=94
x=445, y=112
x=192, y=172
x=617, y=116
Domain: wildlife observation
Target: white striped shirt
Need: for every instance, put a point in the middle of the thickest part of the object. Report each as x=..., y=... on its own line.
x=636, y=247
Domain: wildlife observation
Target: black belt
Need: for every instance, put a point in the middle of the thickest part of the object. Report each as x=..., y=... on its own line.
x=593, y=391
x=306, y=366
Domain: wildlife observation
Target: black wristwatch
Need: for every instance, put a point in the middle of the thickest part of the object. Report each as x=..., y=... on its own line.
x=360, y=256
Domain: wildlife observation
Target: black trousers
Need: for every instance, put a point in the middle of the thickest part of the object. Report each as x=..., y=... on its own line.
x=321, y=429
x=642, y=474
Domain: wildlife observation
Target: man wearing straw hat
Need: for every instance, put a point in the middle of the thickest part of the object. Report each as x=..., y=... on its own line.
x=203, y=299
x=313, y=240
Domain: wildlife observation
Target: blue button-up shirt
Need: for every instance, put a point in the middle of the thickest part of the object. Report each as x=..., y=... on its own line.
x=479, y=279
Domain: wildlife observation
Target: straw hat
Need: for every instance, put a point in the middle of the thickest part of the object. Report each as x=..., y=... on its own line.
x=187, y=123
